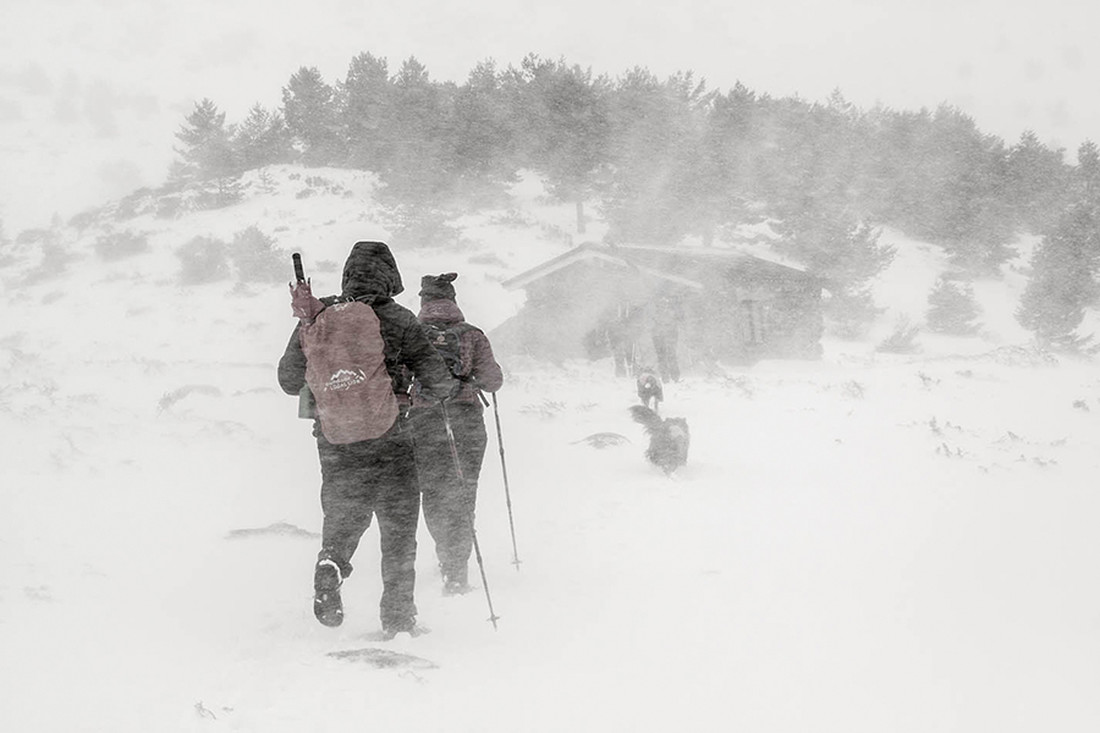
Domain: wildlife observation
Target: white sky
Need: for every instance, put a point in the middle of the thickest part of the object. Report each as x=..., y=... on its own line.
x=1011, y=65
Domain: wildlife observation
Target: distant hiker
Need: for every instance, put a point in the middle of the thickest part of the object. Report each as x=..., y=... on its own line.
x=449, y=504
x=622, y=334
x=373, y=476
x=664, y=327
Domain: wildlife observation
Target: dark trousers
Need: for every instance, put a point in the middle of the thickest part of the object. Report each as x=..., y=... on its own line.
x=449, y=503
x=373, y=477
x=665, y=346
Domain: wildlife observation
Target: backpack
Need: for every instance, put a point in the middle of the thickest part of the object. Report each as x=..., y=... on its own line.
x=447, y=343
x=346, y=371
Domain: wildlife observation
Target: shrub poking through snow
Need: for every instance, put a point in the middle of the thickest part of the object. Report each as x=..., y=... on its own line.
x=120, y=245
x=903, y=340
x=203, y=260
x=256, y=257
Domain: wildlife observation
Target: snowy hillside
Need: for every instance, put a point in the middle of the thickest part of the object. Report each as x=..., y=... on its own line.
x=870, y=542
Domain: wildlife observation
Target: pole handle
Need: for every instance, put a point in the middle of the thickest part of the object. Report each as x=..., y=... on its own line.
x=299, y=273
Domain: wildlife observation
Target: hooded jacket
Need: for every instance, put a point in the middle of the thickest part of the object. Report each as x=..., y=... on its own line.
x=480, y=368
x=371, y=276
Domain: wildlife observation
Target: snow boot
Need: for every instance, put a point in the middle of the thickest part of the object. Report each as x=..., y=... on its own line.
x=409, y=626
x=327, y=606
x=455, y=580
x=454, y=587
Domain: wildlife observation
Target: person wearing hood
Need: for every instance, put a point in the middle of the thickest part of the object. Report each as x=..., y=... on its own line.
x=449, y=499
x=374, y=477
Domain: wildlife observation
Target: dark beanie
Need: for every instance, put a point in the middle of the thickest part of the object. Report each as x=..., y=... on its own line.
x=437, y=287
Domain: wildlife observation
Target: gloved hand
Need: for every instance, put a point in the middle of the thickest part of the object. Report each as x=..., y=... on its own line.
x=303, y=305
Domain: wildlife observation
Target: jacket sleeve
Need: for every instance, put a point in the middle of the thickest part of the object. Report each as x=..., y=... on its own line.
x=485, y=371
x=421, y=358
x=292, y=367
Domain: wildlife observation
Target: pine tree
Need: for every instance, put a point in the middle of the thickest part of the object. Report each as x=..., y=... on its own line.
x=936, y=176
x=366, y=113
x=416, y=170
x=262, y=139
x=968, y=210
x=208, y=162
x=1035, y=179
x=1063, y=277
x=638, y=147
x=730, y=140
x=207, y=152
x=835, y=246
x=952, y=308
x=664, y=174
x=845, y=254
x=563, y=118
x=480, y=147
x=310, y=111
x=1086, y=176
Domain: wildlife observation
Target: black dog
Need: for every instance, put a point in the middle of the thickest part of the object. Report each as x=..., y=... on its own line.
x=649, y=388
x=668, y=438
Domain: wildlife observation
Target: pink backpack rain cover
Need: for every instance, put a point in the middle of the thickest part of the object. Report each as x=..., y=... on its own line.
x=346, y=371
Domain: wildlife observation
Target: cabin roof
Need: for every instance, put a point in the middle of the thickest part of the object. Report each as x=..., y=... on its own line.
x=642, y=258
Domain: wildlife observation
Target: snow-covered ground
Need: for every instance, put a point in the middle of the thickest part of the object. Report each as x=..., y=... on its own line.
x=869, y=542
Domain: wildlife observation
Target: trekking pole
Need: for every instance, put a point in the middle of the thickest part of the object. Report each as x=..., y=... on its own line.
x=305, y=307
x=507, y=493
x=477, y=549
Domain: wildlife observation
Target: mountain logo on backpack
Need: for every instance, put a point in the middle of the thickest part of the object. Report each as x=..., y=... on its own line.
x=345, y=379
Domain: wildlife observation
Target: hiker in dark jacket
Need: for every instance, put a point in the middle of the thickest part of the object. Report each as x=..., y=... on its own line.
x=665, y=328
x=373, y=476
x=622, y=336
x=450, y=501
